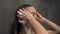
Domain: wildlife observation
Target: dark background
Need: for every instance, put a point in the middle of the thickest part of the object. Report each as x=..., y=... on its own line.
x=48, y=8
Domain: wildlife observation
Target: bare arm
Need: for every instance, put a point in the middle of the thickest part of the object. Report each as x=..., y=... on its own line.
x=52, y=24
x=39, y=29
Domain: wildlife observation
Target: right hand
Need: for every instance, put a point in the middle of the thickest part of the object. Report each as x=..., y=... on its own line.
x=26, y=14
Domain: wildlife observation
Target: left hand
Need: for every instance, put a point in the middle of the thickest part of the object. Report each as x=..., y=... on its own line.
x=39, y=17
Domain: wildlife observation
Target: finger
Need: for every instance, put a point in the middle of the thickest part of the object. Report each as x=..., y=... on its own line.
x=39, y=15
x=20, y=12
x=20, y=21
x=26, y=13
x=25, y=10
x=21, y=15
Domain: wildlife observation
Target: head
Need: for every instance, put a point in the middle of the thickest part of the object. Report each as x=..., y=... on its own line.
x=29, y=8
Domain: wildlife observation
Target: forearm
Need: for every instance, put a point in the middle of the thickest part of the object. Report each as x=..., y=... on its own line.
x=39, y=29
x=53, y=25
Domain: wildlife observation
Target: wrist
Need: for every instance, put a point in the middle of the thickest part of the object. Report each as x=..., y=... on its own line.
x=31, y=18
x=45, y=20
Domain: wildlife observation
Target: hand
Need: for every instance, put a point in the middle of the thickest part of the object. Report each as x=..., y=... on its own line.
x=26, y=14
x=39, y=16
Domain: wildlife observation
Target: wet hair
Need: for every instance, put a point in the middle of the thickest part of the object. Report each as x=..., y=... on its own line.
x=23, y=6
x=19, y=25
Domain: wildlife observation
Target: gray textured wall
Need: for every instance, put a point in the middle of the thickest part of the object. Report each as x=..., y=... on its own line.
x=48, y=8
